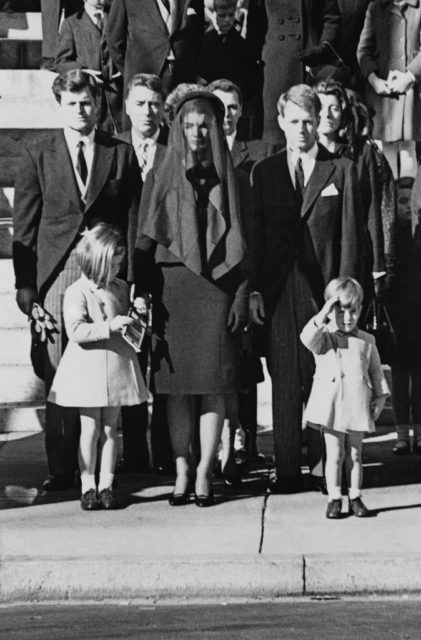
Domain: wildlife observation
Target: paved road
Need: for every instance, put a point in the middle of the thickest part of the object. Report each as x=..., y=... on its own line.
x=342, y=619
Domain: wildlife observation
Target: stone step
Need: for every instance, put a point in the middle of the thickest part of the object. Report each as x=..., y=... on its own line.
x=11, y=317
x=7, y=277
x=28, y=84
x=19, y=387
x=21, y=26
x=11, y=143
x=15, y=345
x=29, y=114
x=6, y=236
x=23, y=419
x=20, y=54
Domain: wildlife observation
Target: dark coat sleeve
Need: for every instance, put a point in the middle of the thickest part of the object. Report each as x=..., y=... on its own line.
x=27, y=211
x=331, y=21
x=371, y=189
x=117, y=33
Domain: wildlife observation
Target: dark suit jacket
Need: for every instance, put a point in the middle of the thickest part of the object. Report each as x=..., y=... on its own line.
x=79, y=45
x=48, y=212
x=325, y=237
x=139, y=41
x=133, y=223
x=241, y=156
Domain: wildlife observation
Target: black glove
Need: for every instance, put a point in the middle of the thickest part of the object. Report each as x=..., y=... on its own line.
x=314, y=56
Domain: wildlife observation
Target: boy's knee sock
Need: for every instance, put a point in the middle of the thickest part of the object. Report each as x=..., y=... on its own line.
x=88, y=482
x=105, y=481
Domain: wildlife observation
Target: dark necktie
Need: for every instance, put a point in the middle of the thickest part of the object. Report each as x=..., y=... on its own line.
x=81, y=165
x=166, y=4
x=99, y=21
x=299, y=180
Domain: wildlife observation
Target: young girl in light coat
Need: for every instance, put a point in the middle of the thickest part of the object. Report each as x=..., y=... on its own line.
x=99, y=371
x=349, y=389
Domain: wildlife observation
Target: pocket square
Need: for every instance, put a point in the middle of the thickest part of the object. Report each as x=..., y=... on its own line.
x=330, y=190
x=191, y=11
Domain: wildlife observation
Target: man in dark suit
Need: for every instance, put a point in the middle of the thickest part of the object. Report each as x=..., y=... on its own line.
x=309, y=229
x=157, y=36
x=145, y=108
x=70, y=181
x=289, y=36
x=82, y=45
x=51, y=11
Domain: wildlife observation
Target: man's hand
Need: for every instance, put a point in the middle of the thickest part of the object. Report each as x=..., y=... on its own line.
x=25, y=298
x=256, y=308
x=400, y=82
x=237, y=316
x=118, y=323
x=325, y=311
x=380, y=86
x=141, y=305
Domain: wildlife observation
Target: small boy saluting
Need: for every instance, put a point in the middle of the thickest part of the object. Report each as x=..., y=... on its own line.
x=349, y=389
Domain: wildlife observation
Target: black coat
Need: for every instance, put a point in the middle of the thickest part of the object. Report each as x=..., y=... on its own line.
x=278, y=31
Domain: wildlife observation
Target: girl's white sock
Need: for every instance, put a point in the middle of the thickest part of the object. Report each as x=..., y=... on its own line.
x=88, y=482
x=105, y=481
x=334, y=493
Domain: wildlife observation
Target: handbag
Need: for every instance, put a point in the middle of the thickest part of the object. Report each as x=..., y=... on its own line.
x=377, y=322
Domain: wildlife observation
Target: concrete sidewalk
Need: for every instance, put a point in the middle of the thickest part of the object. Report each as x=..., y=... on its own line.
x=249, y=545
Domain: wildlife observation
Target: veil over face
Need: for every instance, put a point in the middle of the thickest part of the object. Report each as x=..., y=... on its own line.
x=169, y=214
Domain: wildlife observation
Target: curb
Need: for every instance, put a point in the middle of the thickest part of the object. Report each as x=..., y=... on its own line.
x=186, y=578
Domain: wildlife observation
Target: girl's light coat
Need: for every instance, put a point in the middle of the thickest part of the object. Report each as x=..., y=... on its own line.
x=98, y=368
x=348, y=376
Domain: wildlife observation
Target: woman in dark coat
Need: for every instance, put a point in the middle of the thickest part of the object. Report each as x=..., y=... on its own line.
x=190, y=228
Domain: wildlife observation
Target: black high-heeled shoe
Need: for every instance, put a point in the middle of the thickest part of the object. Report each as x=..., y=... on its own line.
x=179, y=499
x=204, y=500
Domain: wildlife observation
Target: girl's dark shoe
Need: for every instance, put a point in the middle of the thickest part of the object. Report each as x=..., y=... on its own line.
x=204, y=501
x=179, y=499
x=358, y=508
x=107, y=499
x=89, y=501
x=334, y=509
x=401, y=448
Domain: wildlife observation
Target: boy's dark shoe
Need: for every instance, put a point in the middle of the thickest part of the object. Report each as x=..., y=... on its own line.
x=89, y=501
x=108, y=500
x=358, y=508
x=401, y=448
x=334, y=509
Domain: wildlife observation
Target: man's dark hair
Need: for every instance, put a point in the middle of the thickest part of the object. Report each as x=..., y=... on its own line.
x=303, y=96
x=148, y=80
x=227, y=86
x=74, y=80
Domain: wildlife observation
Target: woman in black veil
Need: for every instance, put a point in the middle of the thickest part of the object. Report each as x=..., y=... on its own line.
x=191, y=258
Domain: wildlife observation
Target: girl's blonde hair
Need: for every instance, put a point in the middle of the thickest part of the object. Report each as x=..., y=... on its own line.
x=96, y=251
x=347, y=289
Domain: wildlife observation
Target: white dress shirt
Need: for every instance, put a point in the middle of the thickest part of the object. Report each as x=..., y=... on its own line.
x=93, y=13
x=72, y=138
x=308, y=159
x=138, y=143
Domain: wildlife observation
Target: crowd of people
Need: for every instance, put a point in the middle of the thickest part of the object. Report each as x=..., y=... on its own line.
x=225, y=180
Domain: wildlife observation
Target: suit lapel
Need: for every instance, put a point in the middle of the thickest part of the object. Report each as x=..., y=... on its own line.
x=101, y=167
x=178, y=14
x=318, y=180
x=239, y=153
x=66, y=179
x=150, y=8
